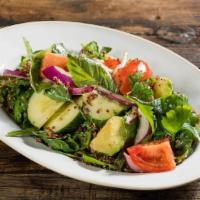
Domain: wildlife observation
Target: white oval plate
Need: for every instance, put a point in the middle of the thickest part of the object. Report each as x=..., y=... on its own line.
x=185, y=75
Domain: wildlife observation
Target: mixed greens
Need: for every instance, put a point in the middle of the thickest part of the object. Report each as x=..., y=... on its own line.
x=99, y=109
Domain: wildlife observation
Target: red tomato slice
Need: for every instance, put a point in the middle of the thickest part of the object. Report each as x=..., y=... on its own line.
x=52, y=59
x=112, y=62
x=153, y=157
x=133, y=66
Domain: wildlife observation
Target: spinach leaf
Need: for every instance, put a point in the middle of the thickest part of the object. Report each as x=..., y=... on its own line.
x=91, y=50
x=85, y=72
x=58, y=93
x=66, y=145
x=83, y=135
x=174, y=119
x=184, y=145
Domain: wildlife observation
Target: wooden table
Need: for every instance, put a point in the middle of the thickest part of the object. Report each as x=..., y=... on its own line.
x=22, y=179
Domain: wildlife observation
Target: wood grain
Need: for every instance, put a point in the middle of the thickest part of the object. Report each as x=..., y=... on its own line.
x=22, y=179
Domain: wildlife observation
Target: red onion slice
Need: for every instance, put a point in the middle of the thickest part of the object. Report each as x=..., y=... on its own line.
x=15, y=73
x=144, y=128
x=82, y=90
x=114, y=96
x=131, y=164
x=57, y=74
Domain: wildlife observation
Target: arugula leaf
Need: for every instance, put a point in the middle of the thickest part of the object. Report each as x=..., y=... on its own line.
x=58, y=93
x=22, y=133
x=85, y=72
x=91, y=50
x=94, y=161
x=174, y=119
x=141, y=89
x=29, y=50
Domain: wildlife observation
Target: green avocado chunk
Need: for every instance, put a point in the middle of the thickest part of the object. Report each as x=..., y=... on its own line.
x=162, y=87
x=111, y=138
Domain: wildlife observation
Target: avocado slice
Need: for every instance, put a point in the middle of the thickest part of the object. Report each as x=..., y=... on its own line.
x=162, y=87
x=111, y=138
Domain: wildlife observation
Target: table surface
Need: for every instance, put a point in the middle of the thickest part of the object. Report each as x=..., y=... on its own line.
x=22, y=179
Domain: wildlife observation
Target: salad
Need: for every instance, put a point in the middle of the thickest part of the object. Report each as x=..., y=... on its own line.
x=106, y=111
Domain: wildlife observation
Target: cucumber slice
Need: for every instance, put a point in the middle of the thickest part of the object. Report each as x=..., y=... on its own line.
x=41, y=108
x=67, y=118
x=111, y=138
x=99, y=108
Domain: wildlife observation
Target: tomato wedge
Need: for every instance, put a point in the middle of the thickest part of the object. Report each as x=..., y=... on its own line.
x=112, y=62
x=52, y=59
x=153, y=157
x=121, y=75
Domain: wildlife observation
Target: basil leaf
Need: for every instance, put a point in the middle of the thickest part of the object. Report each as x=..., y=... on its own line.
x=85, y=72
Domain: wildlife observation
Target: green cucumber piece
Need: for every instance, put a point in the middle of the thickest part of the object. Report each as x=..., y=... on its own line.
x=111, y=138
x=99, y=108
x=41, y=108
x=67, y=118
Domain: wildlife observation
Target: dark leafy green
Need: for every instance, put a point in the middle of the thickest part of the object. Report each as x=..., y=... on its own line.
x=91, y=160
x=20, y=108
x=10, y=89
x=91, y=50
x=185, y=142
x=85, y=72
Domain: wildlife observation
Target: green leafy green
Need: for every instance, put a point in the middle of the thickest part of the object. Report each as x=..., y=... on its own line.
x=174, y=119
x=22, y=133
x=85, y=72
x=94, y=161
x=10, y=90
x=193, y=131
x=28, y=47
x=185, y=142
x=147, y=110
x=141, y=89
x=20, y=108
x=91, y=50
x=165, y=104
x=58, y=93
x=34, y=59
x=59, y=48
